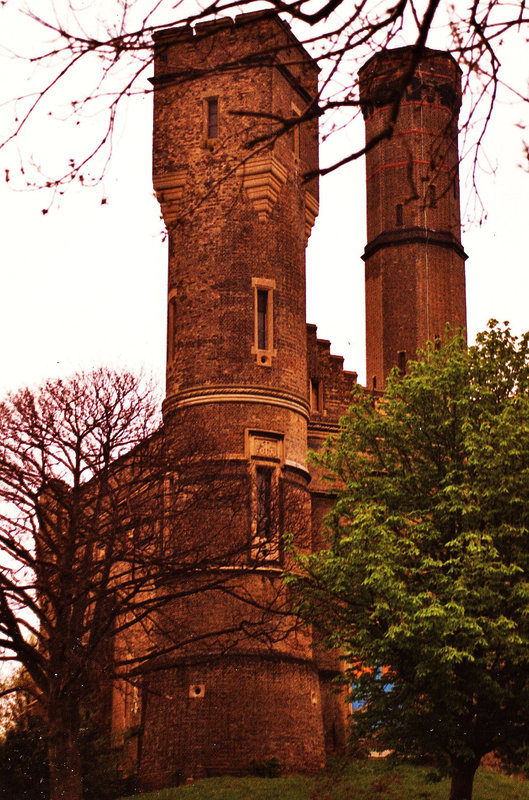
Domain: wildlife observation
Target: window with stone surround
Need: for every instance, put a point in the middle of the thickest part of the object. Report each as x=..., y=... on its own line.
x=262, y=319
x=263, y=344
x=265, y=450
x=265, y=523
x=263, y=515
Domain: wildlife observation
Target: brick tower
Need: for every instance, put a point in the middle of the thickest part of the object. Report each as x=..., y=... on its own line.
x=238, y=216
x=414, y=261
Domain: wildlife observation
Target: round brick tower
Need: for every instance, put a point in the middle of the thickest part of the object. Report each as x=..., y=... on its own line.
x=414, y=261
x=244, y=687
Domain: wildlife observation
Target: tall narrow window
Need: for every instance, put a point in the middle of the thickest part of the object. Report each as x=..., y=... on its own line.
x=213, y=117
x=401, y=361
x=437, y=342
x=265, y=452
x=262, y=319
x=263, y=343
x=398, y=214
x=374, y=381
x=315, y=395
x=264, y=504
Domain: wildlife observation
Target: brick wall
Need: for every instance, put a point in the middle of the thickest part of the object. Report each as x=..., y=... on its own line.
x=249, y=709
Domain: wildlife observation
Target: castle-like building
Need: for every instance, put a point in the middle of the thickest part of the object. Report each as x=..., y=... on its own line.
x=250, y=387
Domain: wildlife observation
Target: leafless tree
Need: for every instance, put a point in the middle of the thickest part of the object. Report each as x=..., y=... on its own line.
x=97, y=55
x=109, y=526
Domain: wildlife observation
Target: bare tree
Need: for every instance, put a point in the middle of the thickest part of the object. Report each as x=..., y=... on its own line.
x=98, y=56
x=108, y=526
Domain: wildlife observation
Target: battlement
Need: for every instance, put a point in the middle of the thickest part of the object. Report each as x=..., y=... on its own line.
x=237, y=24
x=330, y=384
x=262, y=40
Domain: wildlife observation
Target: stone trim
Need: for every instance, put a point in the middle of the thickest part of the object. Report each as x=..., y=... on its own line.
x=322, y=430
x=298, y=469
x=236, y=394
x=413, y=236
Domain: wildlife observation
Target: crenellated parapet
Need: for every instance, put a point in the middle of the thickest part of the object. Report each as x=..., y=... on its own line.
x=330, y=387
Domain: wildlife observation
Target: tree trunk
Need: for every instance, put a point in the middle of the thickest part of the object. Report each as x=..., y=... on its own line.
x=462, y=779
x=66, y=781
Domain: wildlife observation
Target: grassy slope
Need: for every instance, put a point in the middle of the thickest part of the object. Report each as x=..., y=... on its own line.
x=363, y=780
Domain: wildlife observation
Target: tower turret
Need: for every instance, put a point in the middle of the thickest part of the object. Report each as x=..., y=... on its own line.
x=236, y=210
x=238, y=215
x=414, y=260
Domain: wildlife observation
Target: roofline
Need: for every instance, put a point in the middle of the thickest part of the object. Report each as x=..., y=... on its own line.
x=184, y=30
x=428, y=52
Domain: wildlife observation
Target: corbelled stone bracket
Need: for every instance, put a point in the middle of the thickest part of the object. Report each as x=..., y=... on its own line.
x=263, y=178
x=169, y=190
x=311, y=212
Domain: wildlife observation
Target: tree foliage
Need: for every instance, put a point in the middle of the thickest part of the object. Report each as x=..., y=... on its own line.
x=24, y=744
x=23, y=761
x=424, y=583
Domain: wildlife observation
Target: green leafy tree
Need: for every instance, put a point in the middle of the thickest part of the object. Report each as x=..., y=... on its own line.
x=424, y=582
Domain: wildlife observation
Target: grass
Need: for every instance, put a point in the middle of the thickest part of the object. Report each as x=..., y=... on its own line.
x=357, y=780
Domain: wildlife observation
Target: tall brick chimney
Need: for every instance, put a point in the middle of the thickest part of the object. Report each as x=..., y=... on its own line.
x=414, y=260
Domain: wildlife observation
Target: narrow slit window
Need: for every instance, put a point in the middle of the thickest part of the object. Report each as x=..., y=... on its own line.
x=213, y=117
x=171, y=330
x=398, y=215
x=262, y=319
x=374, y=381
x=315, y=395
x=401, y=361
x=432, y=192
x=437, y=342
x=295, y=132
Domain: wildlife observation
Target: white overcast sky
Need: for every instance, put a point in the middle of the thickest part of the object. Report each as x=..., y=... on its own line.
x=85, y=284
